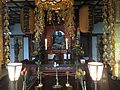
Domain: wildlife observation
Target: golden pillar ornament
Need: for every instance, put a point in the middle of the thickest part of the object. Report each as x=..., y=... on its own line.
x=112, y=35
x=6, y=36
x=39, y=23
x=105, y=30
x=1, y=40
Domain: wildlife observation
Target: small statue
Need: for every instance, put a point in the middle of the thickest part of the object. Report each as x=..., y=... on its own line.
x=59, y=42
x=16, y=50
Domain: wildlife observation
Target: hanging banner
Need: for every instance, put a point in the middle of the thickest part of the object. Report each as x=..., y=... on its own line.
x=78, y=33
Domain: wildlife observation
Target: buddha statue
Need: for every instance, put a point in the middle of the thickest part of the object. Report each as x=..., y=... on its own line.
x=59, y=42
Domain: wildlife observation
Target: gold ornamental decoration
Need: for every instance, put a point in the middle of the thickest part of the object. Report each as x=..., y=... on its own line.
x=116, y=7
x=105, y=31
x=1, y=36
x=117, y=10
x=54, y=4
x=39, y=23
x=6, y=36
x=68, y=16
x=61, y=8
x=112, y=35
x=108, y=27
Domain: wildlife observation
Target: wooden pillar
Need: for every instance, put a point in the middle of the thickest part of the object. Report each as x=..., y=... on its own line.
x=90, y=45
x=103, y=84
x=1, y=40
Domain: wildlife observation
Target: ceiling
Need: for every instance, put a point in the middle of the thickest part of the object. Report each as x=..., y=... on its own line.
x=16, y=5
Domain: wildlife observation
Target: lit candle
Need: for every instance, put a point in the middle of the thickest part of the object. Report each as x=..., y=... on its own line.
x=45, y=44
x=66, y=43
x=85, y=85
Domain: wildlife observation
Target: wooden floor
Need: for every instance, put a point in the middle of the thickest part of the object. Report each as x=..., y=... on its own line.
x=48, y=83
x=4, y=82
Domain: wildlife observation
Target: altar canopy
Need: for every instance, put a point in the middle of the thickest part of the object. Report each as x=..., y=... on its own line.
x=54, y=4
x=58, y=11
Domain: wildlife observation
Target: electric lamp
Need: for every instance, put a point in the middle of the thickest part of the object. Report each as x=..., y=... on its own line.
x=95, y=70
x=14, y=70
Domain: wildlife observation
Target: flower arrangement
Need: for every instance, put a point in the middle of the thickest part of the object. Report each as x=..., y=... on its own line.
x=77, y=50
x=80, y=73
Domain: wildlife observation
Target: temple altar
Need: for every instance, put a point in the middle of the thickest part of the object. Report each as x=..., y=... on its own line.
x=56, y=42
x=48, y=76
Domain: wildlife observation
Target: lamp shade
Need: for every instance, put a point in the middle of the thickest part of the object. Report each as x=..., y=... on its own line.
x=95, y=70
x=14, y=70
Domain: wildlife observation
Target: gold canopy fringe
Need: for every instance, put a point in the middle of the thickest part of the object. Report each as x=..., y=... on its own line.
x=54, y=4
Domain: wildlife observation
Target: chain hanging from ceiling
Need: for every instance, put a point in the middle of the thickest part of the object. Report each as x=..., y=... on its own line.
x=105, y=31
x=1, y=35
x=69, y=22
x=6, y=36
x=112, y=35
x=108, y=27
x=39, y=24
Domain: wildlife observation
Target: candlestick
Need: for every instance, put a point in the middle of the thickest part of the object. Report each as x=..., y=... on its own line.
x=85, y=85
x=67, y=84
x=45, y=44
x=66, y=43
x=82, y=83
x=57, y=86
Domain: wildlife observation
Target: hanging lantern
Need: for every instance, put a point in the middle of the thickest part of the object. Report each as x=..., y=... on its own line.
x=84, y=19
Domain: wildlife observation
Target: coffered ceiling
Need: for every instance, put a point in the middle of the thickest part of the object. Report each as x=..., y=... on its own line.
x=16, y=5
